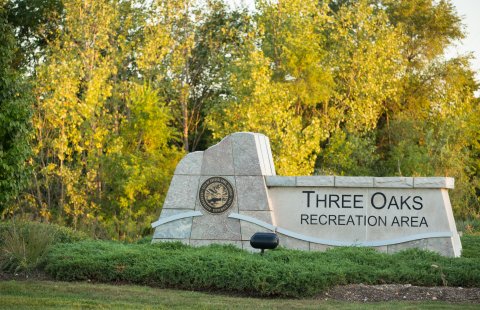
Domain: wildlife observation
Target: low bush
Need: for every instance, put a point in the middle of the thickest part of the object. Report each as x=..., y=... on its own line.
x=286, y=273
x=23, y=245
x=469, y=226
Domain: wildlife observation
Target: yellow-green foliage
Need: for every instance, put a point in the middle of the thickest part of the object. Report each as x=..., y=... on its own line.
x=123, y=89
x=102, y=154
x=269, y=108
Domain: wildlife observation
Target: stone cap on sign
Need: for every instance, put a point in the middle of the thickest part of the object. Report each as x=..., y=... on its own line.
x=342, y=181
x=241, y=153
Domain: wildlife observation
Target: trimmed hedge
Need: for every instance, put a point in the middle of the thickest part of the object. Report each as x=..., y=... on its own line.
x=471, y=246
x=286, y=273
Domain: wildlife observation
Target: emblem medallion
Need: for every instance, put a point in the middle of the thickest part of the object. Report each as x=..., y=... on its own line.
x=216, y=195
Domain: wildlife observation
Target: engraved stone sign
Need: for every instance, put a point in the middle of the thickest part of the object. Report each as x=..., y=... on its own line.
x=230, y=191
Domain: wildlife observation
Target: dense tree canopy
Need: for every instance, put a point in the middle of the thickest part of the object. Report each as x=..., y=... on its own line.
x=15, y=113
x=116, y=91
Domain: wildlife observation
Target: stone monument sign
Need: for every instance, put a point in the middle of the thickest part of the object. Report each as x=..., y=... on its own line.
x=230, y=191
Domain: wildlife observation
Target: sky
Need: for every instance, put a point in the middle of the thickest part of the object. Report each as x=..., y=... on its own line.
x=469, y=11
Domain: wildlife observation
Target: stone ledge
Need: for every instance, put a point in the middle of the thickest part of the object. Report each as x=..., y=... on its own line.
x=280, y=181
x=434, y=182
x=316, y=180
x=353, y=181
x=396, y=182
x=365, y=182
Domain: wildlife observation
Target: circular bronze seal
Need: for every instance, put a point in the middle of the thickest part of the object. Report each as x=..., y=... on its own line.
x=216, y=195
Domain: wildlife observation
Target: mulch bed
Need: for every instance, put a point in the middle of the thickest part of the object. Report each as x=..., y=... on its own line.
x=390, y=292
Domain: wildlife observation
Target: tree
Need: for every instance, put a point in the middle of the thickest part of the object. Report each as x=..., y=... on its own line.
x=15, y=119
x=138, y=165
x=35, y=23
x=430, y=128
x=89, y=121
x=298, y=93
x=269, y=108
x=276, y=89
x=428, y=26
x=367, y=64
x=187, y=57
x=123, y=88
x=439, y=139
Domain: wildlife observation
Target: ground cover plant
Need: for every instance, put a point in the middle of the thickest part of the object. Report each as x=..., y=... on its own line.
x=63, y=254
x=285, y=273
x=471, y=246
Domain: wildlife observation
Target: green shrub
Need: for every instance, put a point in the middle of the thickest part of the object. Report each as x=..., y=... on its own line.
x=469, y=226
x=144, y=240
x=23, y=245
x=286, y=273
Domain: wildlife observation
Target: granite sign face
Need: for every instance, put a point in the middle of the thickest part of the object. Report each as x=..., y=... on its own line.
x=230, y=191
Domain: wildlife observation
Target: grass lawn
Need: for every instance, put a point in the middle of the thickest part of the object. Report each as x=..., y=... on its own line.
x=65, y=295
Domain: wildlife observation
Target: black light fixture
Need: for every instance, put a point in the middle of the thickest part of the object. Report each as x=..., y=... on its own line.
x=264, y=240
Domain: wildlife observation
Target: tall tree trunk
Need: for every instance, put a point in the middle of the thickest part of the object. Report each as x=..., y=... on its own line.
x=185, y=122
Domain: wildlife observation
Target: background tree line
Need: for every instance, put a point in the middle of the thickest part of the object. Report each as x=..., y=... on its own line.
x=100, y=99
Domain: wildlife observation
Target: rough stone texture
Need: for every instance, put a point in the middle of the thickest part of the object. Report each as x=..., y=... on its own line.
x=174, y=230
x=434, y=182
x=252, y=193
x=179, y=229
x=397, y=182
x=353, y=181
x=215, y=227
x=182, y=193
x=442, y=246
x=241, y=158
x=293, y=243
x=218, y=159
x=316, y=181
x=275, y=181
x=246, y=157
x=191, y=164
x=319, y=247
x=419, y=244
x=248, y=229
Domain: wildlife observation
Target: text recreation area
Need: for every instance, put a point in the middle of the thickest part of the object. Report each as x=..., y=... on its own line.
x=230, y=191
